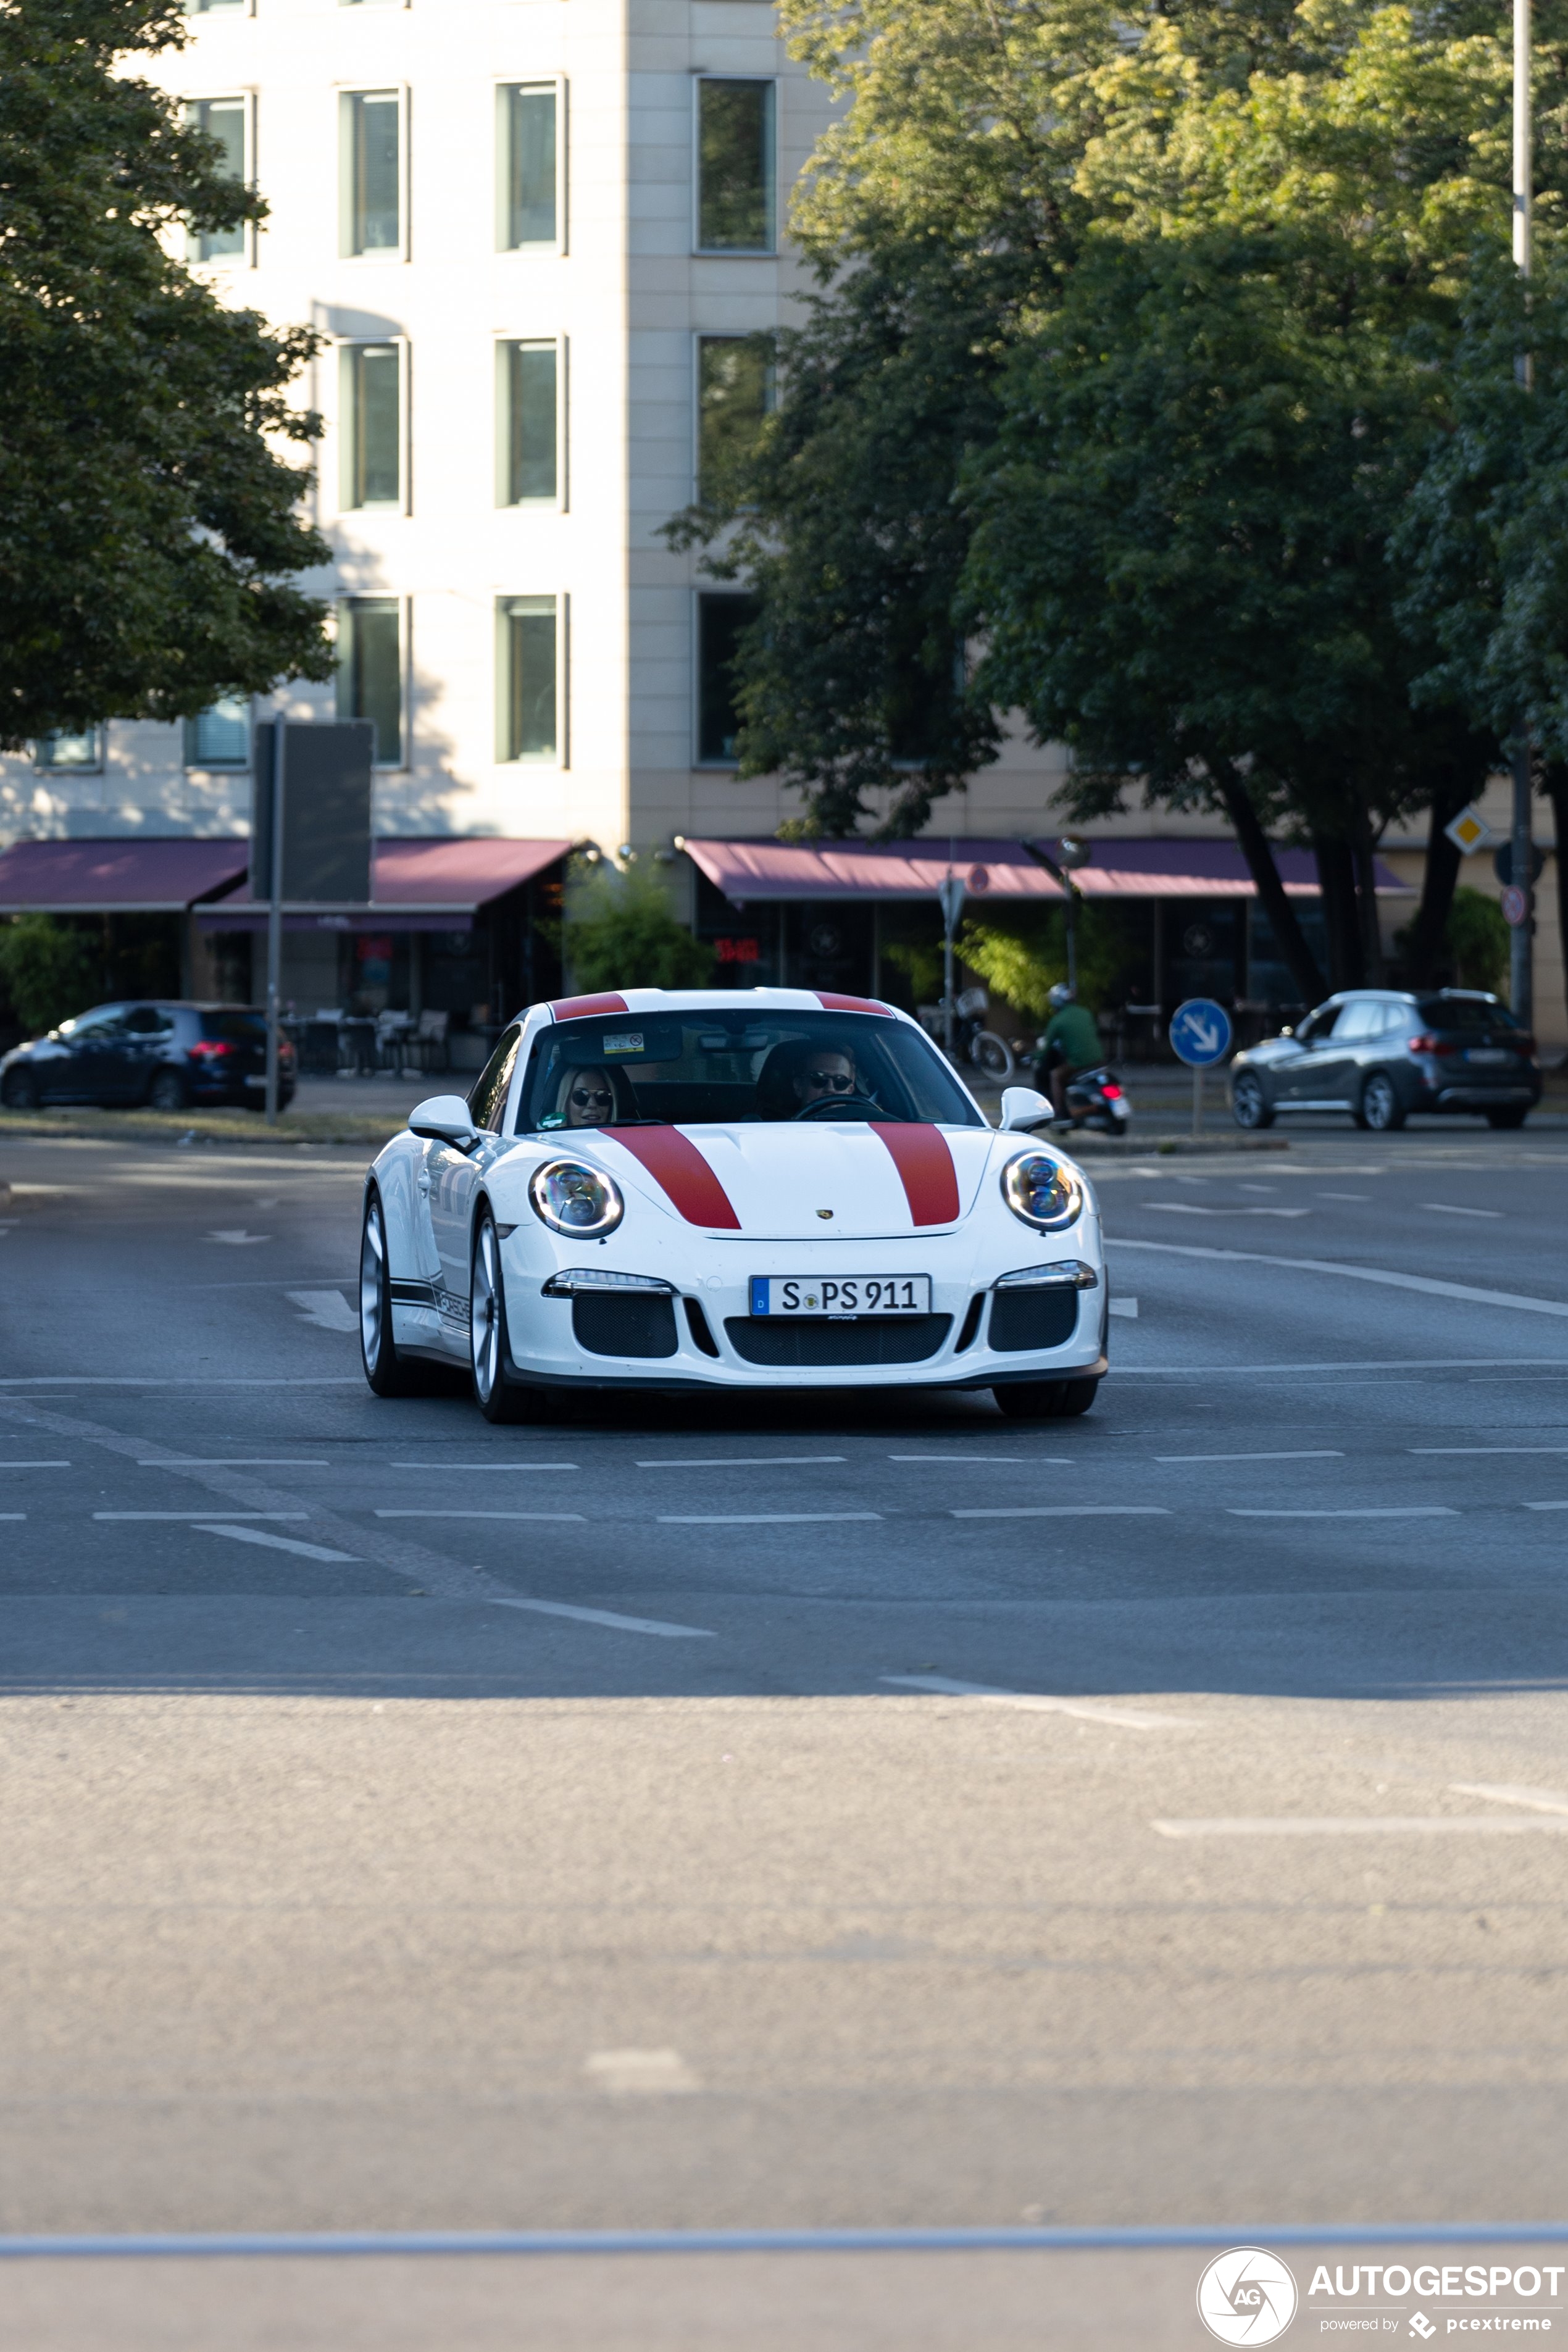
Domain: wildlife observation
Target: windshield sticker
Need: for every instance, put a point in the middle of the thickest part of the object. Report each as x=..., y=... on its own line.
x=628, y=1042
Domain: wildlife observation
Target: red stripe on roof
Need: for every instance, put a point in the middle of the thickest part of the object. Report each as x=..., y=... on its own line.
x=846, y=1003
x=924, y=1163
x=581, y=1008
x=678, y=1167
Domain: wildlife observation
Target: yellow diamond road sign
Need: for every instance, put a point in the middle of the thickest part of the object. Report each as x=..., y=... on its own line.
x=1469, y=831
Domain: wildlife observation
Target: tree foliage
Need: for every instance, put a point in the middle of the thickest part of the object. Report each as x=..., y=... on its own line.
x=49, y=971
x=621, y=934
x=151, y=529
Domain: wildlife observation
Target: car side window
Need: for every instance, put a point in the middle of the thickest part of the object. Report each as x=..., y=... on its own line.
x=488, y=1101
x=103, y=1022
x=1360, y=1019
x=1317, y=1026
x=146, y=1020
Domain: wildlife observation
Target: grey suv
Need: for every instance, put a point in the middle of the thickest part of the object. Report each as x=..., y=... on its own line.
x=1380, y=1055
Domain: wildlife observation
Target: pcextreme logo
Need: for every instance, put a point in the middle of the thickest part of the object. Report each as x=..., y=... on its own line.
x=1247, y=2296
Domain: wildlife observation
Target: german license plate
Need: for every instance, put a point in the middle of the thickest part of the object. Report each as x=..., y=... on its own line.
x=1489, y=1055
x=841, y=1294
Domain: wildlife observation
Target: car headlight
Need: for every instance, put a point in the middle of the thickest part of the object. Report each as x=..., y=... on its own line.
x=1041, y=1191
x=572, y=1198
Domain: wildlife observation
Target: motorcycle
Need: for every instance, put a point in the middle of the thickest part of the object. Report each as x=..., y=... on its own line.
x=971, y=1041
x=1094, y=1098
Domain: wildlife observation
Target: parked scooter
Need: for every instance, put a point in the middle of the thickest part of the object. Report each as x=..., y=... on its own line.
x=1094, y=1098
x=971, y=1041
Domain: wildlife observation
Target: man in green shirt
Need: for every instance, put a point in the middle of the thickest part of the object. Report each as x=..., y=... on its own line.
x=1070, y=1043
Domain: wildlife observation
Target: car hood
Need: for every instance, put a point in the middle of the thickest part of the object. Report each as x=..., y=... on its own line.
x=828, y=1181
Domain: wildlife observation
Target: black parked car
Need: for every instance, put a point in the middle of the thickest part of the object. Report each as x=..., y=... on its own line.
x=1381, y=1055
x=169, y=1054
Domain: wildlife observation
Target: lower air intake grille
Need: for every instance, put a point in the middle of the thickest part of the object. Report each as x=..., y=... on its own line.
x=816, y=1340
x=633, y=1324
x=1022, y=1319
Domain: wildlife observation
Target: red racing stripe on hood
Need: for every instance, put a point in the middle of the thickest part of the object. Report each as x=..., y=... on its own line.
x=579, y=1008
x=925, y=1164
x=680, y=1170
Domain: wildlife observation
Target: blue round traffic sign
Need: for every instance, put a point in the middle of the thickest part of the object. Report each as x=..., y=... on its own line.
x=1200, y=1032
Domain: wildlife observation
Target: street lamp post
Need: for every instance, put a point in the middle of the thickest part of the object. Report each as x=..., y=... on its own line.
x=1521, y=974
x=274, y=922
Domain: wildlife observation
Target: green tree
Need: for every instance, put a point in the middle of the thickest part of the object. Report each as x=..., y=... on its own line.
x=620, y=934
x=152, y=533
x=49, y=971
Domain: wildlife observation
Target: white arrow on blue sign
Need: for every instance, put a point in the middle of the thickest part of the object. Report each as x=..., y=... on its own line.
x=1200, y=1032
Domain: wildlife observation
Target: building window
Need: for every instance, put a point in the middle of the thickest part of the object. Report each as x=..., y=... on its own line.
x=735, y=166
x=372, y=168
x=529, y=188
x=370, y=670
x=370, y=409
x=211, y=7
x=528, y=669
x=720, y=621
x=222, y=118
x=219, y=737
x=528, y=388
x=62, y=750
x=734, y=392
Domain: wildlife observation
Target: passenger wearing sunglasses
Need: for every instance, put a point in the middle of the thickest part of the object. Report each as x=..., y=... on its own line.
x=588, y=1097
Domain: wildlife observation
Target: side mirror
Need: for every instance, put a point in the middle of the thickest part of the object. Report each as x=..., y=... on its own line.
x=1287, y=1031
x=1023, y=1107
x=443, y=1119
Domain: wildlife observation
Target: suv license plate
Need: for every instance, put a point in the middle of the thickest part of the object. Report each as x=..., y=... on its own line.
x=841, y=1294
x=1489, y=1055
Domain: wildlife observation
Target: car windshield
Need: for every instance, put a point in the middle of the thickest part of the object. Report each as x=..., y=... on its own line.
x=1470, y=1013
x=719, y=1066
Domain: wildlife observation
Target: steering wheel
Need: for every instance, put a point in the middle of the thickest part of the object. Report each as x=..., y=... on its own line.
x=844, y=1107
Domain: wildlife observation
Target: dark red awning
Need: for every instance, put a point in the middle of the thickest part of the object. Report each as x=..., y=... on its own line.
x=417, y=884
x=96, y=877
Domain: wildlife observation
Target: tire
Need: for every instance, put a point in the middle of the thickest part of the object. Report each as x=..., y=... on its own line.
x=167, y=1091
x=497, y=1399
x=1045, y=1399
x=1379, y=1108
x=1249, y=1106
x=1514, y=1117
x=994, y=1055
x=389, y=1373
x=20, y=1091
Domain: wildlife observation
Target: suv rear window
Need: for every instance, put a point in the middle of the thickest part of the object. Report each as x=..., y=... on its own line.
x=1471, y=1013
x=240, y=1028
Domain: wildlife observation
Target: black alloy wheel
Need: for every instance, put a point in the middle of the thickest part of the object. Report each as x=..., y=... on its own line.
x=1250, y=1107
x=1044, y=1399
x=20, y=1091
x=499, y=1399
x=1380, y=1108
x=1510, y=1115
x=167, y=1091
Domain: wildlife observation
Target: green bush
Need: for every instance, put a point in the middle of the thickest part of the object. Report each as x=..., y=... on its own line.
x=1477, y=940
x=49, y=971
x=620, y=934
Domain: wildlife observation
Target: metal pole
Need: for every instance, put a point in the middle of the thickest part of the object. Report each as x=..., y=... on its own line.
x=1520, y=959
x=1521, y=974
x=1072, y=935
x=1524, y=155
x=275, y=922
x=1197, y=1104
x=947, y=981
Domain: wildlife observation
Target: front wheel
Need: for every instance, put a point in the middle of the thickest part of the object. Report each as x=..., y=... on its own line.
x=1250, y=1107
x=20, y=1091
x=1514, y=1117
x=495, y=1397
x=1380, y=1108
x=167, y=1091
x=994, y=1055
x=1045, y=1399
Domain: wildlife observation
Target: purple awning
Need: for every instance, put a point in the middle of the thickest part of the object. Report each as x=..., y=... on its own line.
x=95, y=878
x=1199, y=869
x=417, y=884
x=750, y=871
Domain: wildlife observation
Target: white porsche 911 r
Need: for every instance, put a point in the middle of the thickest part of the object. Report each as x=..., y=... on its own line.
x=728, y=1189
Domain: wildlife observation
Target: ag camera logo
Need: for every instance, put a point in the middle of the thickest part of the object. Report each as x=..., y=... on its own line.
x=1247, y=2296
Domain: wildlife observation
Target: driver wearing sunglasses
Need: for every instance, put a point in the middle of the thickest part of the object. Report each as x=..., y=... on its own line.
x=823, y=1073
x=588, y=1097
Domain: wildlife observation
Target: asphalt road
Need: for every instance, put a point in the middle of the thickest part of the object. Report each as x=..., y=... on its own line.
x=415, y=1825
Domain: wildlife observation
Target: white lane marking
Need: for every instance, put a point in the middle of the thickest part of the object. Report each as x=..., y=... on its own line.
x=1358, y=1825
x=609, y=1617
x=1068, y=1511
x=201, y=1515
x=554, y=1515
x=1487, y=1449
x=13, y=1515
x=1556, y=1364
x=1535, y=1800
x=1422, y=1282
x=745, y=1462
x=1449, y=1209
x=1205, y=1209
x=1240, y=1187
x=640, y=2073
x=1064, y=1459
x=187, y=1381
x=1316, y=1453
x=1344, y=1196
x=467, y=1467
x=231, y=1462
x=1546, y=1506
x=1037, y=1703
x=329, y=1310
x=237, y=1238
x=1128, y=1307
x=273, y=1543
x=759, y=1518
x=1399, y=1511
x=35, y=1465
